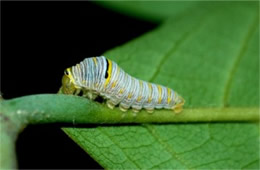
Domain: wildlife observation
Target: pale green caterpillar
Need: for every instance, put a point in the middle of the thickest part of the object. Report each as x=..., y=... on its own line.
x=98, y=76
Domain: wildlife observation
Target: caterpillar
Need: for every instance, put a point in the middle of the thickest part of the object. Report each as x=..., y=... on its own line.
x=99, y=76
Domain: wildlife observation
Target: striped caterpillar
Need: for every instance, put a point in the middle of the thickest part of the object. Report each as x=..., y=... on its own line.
x=98, y=76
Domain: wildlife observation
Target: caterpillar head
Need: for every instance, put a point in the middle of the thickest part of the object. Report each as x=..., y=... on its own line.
x=68, y=85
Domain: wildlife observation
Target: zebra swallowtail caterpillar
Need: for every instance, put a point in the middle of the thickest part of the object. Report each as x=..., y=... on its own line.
x=99, y=76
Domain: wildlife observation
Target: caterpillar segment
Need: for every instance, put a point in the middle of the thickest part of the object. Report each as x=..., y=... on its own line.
x=99, y=76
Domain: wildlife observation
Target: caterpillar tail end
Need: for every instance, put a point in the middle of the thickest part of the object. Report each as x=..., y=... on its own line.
x=178, y=107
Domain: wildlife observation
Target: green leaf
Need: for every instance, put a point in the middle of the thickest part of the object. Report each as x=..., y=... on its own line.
x=154, y=11
x=210, y=55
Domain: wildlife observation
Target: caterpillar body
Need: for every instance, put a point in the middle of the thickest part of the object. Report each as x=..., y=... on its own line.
x=99, y=76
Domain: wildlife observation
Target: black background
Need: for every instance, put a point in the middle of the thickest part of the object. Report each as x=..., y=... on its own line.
x=38, y=41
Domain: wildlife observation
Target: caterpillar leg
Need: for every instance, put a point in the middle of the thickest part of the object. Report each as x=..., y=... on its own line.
x=77, y=91
x=123, y=108
x=149, y=110
x=89, y=94
x=110, y=104
x=135, y=110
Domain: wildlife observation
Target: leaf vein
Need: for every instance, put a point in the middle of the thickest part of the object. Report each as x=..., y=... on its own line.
x=250, y=163
x=104, y=133
x=175, y=46
x=234, y=67
x=208, y=163
x=169, y=149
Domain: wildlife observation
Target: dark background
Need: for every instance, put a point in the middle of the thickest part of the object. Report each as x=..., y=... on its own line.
x=38, y=41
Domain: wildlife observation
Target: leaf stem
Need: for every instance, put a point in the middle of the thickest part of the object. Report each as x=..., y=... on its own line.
x=52, y=108
x=16, y=113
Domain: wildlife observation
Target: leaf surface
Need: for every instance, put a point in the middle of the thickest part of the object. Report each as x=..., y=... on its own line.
x=210, y=56
x=154, y=11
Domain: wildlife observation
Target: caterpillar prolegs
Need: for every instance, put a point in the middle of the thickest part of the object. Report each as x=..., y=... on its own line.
x=99, y=76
